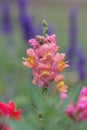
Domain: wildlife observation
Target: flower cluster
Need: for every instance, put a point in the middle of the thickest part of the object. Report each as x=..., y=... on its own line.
x=8, y=111
x=78, y=111
x=46, y=62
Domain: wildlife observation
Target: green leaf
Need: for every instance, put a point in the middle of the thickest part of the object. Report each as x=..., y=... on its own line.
x=37, y=98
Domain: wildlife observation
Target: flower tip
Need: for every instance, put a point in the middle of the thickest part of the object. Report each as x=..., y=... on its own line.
x=23, y=58
x=63, y=96
x=45, y=23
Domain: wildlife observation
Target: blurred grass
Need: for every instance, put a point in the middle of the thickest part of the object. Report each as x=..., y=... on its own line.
x=14, y=76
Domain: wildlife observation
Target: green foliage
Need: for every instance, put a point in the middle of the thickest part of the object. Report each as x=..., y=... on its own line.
x=42, y=113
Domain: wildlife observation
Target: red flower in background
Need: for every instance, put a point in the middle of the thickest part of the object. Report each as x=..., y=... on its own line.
x=4, y=110
x=8, y=111
x=13, y=113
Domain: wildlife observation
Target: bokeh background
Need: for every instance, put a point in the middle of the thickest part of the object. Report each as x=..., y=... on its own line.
x=21, y=20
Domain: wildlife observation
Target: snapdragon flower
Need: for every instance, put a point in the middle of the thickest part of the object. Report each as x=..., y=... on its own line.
x=46, y=62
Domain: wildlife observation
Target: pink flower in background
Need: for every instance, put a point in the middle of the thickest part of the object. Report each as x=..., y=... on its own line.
x=46, y=62
x=71, y=110
x=78, y=110
x=63, y=96
x=81, y=106
x=83, y=93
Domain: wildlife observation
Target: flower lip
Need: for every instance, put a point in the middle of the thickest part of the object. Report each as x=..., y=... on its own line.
x=31, y=61
x=61, y=65
x=61, y=87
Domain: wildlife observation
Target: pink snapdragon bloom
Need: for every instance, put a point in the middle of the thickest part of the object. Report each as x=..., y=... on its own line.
x=33, y=43
x=59, y=83
x=32, y=60
x=50, y=39
x=59, y=63
x=78, y=111
x=42, y=75
x=47, y=49
x=46, y=62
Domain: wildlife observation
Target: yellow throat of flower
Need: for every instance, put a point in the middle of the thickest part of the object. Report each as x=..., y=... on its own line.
x=47, y=53
x=31, y=61
x=61, y=87
x=61, y=83
x=61, y=65
x=45, y=72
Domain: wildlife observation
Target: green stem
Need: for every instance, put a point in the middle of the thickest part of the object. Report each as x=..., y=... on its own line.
x=41, y=126
x=45, y=28
x=34, y=109
x=45, y=92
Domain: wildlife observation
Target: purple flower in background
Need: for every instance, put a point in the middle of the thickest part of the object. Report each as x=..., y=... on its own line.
x=74, y=53
x=27, y=26
x=71, y=52
x=6, y=19
x=22, y=5
x=26, y=21
x=80, y=64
